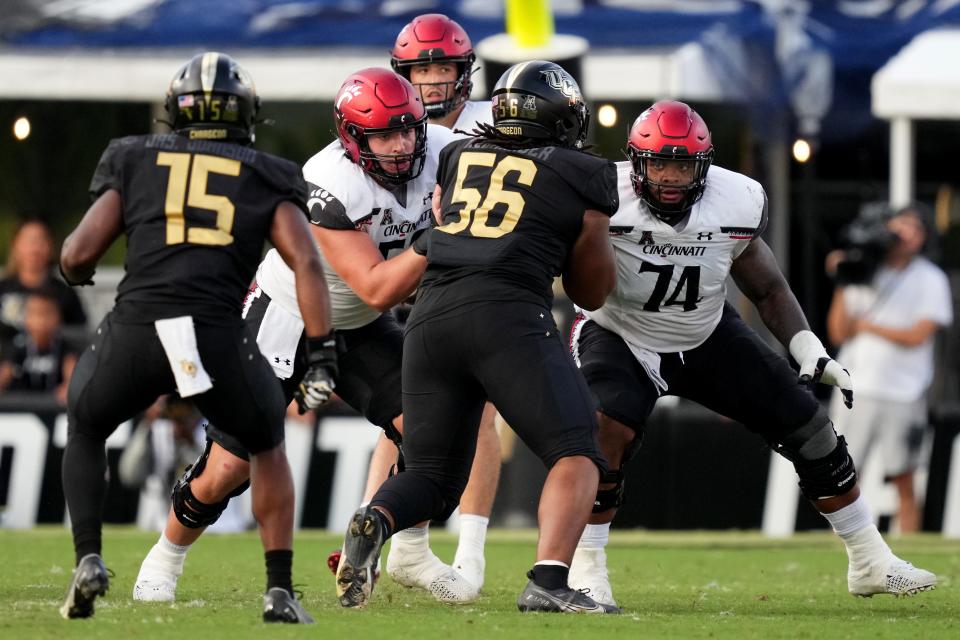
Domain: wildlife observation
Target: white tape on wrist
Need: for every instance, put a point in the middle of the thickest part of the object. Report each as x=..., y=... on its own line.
x=806, y=345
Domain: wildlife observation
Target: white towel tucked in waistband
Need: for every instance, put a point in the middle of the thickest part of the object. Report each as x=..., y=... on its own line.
x=650, y=361
x=179, y=341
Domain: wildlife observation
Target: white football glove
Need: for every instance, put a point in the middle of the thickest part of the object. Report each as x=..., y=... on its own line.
x=817, y=366
x=318, y=382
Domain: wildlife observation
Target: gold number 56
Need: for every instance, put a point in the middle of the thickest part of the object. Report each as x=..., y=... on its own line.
x=474, y=214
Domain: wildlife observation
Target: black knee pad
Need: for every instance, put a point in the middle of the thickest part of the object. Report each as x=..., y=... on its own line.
x=610, y=498
x=832, y=475
x=192, y=513
x=194, y=470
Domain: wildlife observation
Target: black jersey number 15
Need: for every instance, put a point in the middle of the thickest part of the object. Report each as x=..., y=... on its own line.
x=476, y=207
x=190, y=185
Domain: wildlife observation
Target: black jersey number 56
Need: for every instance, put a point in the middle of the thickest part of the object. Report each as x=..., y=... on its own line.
x=188, y=182
x=473, y=216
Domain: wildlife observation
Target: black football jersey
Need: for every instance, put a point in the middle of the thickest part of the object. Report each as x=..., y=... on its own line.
x=196, y=214
x=510, y=218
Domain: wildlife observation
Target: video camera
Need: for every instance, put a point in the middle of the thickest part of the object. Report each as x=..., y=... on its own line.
x=865, y=242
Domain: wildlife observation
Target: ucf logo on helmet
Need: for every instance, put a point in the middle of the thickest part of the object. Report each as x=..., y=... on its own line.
x=562, y=82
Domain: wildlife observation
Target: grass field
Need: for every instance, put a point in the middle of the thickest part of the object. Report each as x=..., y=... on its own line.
x=671, y=585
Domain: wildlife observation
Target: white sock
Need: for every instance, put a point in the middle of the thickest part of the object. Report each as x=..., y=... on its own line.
x=854, y=524
x=594, y=536
x=412, y=539
x=473, y=536
x=170, y=554
x=851, y=518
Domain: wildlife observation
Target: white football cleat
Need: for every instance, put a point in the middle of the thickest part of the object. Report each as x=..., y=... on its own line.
x=588, y=573
x=427, y=571
x=894, y=576
x=156, y=582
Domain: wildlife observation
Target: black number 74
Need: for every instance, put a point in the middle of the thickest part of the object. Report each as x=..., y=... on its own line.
x=689, y=284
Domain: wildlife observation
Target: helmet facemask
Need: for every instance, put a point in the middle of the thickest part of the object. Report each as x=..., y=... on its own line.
x=669, y=131
x=456, y=92
x=376, y=164
x=651, y=193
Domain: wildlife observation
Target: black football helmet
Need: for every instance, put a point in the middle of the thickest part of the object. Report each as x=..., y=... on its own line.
x=539, y=99
x=213, y=98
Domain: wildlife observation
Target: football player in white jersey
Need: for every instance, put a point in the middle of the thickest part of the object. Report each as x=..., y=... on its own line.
x=435, y=54
x=683, y=226
x=371, y=192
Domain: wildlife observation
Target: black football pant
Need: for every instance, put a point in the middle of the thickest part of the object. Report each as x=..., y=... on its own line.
x=123, y=371
x=509, y=353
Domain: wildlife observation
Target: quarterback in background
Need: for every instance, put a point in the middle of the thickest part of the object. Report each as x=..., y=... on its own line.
x=683, y=226
x=435, y=54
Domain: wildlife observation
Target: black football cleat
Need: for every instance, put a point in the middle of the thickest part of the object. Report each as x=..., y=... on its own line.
x=562, y=600
x=90, y=579
x=279, y=605
x=358, y=561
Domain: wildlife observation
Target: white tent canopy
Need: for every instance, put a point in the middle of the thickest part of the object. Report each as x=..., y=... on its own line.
x=921, y=82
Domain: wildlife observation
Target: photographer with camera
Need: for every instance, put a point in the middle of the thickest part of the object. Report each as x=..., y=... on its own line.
x=888, y=303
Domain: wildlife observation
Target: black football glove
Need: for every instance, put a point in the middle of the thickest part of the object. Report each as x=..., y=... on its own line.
x=318, y=382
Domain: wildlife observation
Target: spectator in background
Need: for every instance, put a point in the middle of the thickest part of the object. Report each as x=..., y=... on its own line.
x=885, y=329
x=29, y=268
x=39, y=359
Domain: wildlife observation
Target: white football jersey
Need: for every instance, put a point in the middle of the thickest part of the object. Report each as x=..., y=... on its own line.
x=671, y=284
x=472, y=114
x=343, y=196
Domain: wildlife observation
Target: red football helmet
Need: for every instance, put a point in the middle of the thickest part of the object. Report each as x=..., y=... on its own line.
x=373, y=101
x=433, y=37
x=669, y=130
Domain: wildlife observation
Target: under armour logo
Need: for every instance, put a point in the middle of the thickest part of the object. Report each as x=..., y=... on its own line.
x=705, y=235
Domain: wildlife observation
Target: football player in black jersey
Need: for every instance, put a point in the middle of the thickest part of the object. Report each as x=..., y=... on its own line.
x=196, y=206
x=518, y=205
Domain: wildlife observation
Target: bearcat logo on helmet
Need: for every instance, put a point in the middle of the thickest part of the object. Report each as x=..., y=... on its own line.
x=562, y=82
x=349, y=93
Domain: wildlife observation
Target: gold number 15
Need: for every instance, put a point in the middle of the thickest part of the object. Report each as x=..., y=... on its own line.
x=197, y=197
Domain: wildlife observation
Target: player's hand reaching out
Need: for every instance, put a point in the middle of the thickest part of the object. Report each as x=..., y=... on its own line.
x=817, y=366
x=319, y=380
